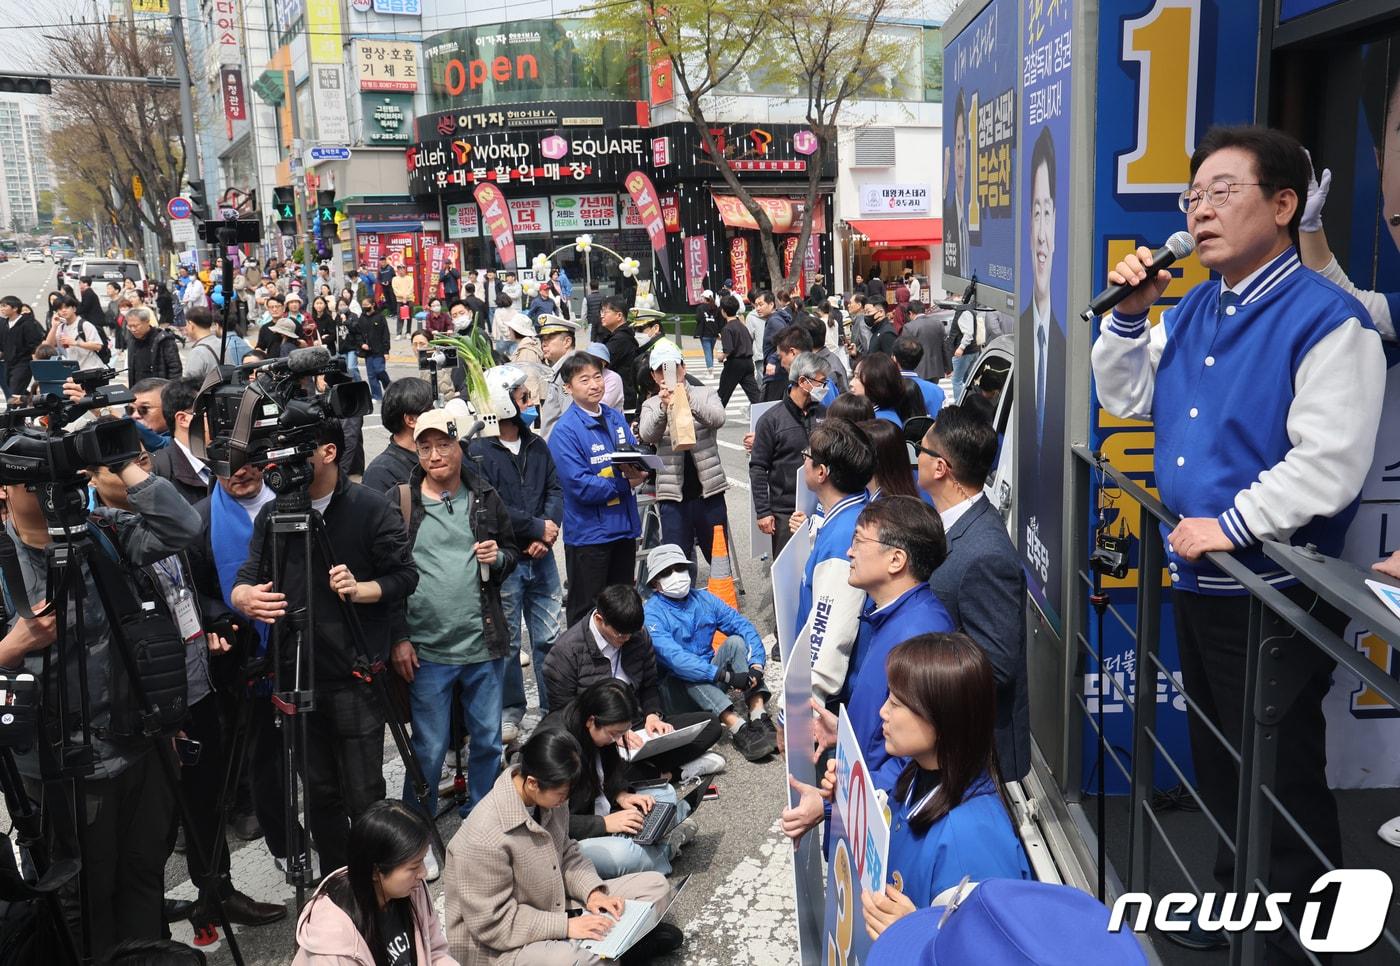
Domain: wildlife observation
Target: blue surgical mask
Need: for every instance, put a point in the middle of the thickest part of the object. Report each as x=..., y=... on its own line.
x=530, y=416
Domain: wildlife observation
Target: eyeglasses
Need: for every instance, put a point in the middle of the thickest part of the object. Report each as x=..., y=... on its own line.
x=1217, y=193
x=441, y=449
x=139, y=409
x=931, y=454
x=818, y=383
x=859, y=539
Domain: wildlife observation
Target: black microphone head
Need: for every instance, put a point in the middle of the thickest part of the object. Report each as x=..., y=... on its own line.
x=1181, y=244
x=313, y=359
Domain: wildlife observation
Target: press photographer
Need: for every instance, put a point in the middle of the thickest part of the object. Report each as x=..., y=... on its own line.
x=102, y=742
x=344, y=770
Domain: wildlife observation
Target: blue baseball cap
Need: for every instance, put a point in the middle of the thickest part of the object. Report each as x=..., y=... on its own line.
x=1009, y=922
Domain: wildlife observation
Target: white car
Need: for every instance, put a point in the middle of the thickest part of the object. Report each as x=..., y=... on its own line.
x=33, y=255
x=102, y=271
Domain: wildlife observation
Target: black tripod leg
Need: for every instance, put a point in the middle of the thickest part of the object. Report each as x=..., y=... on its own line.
x=28, y=825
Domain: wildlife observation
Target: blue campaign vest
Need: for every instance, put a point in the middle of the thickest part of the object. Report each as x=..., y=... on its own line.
x=1224, y=386
x=832, y=540
x=973, y=839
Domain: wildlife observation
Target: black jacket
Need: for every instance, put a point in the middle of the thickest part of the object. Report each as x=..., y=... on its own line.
x=368, y=536
x=708, y=321
x=156, y=355
x=374, y=332
x=622, y=347
x=490, y=521
x=528, y=483
x=390, y=468
x=574, y=663
x=778, y=442
x=170, y=463
x=593, y=312
x=22, y=336
x=90, y=308
x=882, y=337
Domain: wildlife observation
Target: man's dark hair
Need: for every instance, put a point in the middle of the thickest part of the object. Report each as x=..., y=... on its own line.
x=275, y=297
x=794, y=337
x=578, y=362
x=729, y=305
x=1280, y=163
x=909, y=524
x=857, y=298
x=615, y=302
x=114, y=285
x=766, y=297
x=503, y=301
x=621, y=607
x=1044, y=153
x=907, y=352
x=86, y=280
x=845, y=451
x=969, y=444
x=177, y=396
x=409, y=396
x=456, y=302
x=65, y=302
x=333, y=431
x=200, y=318
x=148, y=384
x=916, y=307
x=13, y=302
x=468, y=289
x=593, y=285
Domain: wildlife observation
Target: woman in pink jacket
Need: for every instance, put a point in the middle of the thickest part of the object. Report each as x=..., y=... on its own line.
x=376, y=911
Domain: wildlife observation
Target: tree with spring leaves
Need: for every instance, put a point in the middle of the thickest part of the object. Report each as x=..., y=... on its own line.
x=111, y=132
x=821, y=53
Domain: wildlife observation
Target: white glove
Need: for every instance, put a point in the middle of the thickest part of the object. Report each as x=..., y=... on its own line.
x=1317, y=197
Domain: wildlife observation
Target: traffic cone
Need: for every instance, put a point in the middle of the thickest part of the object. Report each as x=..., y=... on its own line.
x=721, y=582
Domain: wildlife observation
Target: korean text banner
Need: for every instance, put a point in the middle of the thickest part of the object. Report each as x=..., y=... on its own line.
x=1043, y=204
x=495, y=215
x=979, y=154
x=1189, y=51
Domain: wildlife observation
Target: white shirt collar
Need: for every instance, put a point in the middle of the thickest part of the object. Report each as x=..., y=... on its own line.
x=955, y=512
x=1041, y=321
x=197, y=464
x=1243, y=285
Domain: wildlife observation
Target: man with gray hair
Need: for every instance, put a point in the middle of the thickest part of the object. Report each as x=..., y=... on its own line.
x=779, y=441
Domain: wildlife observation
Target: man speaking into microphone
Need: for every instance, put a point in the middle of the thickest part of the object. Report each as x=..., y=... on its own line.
x=1264, y=387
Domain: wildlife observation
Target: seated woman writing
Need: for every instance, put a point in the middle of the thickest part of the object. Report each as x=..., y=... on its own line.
x=948, y=816
x=604, y=811
x=518, y=890
x=376, y=911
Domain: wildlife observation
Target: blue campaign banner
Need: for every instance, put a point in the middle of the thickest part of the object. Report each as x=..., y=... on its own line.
x=1293, y=9
x=1167, y=71
x=979, y=159
x=1043, y=205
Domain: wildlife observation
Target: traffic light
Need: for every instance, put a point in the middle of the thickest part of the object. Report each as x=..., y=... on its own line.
x=24, y=84
x=285, y=207
x=199, y=201
x=325, y=207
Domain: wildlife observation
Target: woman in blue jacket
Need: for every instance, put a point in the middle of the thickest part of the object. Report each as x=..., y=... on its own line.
x=948, y=817
x=601, y=523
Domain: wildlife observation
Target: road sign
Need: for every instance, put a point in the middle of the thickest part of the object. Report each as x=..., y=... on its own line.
x=325, y=152
x=178, y=208
x=182, y=232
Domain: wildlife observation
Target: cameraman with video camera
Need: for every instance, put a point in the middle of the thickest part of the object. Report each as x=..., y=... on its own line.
x=374, y=572
x=127, y=804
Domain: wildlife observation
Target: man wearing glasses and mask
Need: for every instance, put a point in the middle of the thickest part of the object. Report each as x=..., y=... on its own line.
x=1264, y=387
x=779, y=439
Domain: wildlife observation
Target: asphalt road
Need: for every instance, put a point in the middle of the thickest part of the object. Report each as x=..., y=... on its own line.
x=738, y=906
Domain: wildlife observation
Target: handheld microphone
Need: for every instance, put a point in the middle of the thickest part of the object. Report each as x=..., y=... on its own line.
x=1178, y=246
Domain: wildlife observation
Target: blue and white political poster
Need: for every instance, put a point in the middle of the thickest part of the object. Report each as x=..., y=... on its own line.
x=1044, y=205
x=859, y=844
x=807, y=882
x=979, y=154
x=786, y=575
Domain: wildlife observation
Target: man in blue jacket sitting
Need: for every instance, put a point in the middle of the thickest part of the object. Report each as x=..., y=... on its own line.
x=682, y=621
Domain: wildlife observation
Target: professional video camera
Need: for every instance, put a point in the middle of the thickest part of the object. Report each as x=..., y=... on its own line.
x=32, y=455
x=273, y=421
x=438, y=358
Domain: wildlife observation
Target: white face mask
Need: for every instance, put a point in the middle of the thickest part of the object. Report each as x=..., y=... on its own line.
x=675, y=585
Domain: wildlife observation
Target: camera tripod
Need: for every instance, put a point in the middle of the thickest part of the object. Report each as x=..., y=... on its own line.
x=293, y=648
x=64, y=505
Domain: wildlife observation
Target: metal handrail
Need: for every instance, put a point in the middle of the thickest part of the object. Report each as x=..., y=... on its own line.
x=1271, y=613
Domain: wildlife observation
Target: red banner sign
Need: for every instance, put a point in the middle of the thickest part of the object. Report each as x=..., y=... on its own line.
x=671, y=212
x=789, y=250
x=644, y=196
x=235, y=105
x=495, y=215
x=785, y=214
x=697, y=267
x=739, y=269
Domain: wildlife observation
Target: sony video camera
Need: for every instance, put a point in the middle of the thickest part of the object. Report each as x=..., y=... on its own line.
x=33, y=454
x=273, y=421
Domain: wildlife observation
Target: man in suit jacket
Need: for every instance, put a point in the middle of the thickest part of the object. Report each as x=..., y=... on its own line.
x=981, y=582
x=928, y=330
x=176, y=462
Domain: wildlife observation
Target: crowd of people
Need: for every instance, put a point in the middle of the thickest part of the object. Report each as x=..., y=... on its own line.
x=447, y=550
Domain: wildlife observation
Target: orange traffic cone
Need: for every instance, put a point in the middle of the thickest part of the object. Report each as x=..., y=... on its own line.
x=721, y=582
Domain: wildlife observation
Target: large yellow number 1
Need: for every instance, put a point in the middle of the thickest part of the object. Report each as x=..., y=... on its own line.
x=1166, y=43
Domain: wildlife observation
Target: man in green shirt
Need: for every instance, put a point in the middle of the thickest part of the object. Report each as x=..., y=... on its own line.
x=455, y=630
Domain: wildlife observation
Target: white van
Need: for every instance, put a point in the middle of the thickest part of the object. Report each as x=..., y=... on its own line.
x=102, y=271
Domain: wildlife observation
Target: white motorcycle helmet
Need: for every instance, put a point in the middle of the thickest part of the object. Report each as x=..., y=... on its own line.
x=502, y=381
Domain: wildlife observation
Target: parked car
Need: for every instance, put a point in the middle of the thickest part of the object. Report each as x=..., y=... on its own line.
x=103, y=270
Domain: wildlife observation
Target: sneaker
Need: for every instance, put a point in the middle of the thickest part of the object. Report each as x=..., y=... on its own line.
x=681, y=836
x=510, y=732
x=430, y=865
x=765, y=721
x=1390, y=832
x=754, y=742
x=710, y=763
x=663, y=938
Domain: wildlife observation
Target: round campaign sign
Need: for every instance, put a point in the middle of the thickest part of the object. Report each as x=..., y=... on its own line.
x=179, y=208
